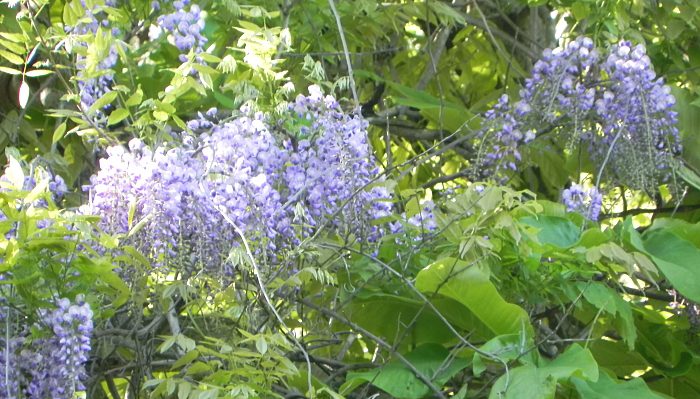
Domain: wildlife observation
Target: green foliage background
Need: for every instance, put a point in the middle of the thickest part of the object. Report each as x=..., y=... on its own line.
x=512, y=297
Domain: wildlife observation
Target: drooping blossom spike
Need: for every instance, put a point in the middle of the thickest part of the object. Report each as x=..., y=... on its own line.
x=614, y=106
x=501, y=138
x=582, y=200
x=185, y=25
x=55, y=365
x=251, y=174
x=10, y=377
x=94, y=87
x=640, y=139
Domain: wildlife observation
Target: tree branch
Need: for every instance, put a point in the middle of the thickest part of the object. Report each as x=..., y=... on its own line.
x=334, y=315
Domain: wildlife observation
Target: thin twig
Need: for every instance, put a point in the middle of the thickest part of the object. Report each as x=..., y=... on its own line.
x=341, y=32
x=381, y=342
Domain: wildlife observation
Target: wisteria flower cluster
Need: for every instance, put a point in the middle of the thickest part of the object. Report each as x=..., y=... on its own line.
x=10, y=375
x=418, y=226
x=562, y=84
x=101, y=79
x=157, y=194
x=587, y=201
x=185, y=25
x=641, y=140
x=501, y=138
x=330, y=163
x=614, y=106
x=53, y=365
x=269, y=181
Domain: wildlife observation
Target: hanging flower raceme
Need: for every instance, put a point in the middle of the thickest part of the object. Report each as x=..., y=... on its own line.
x=582, y=200
x=185, y=25
x=640, y=140
x=95, y=76
x=501, y=138
x=244, y=165
x=331, y=164
x=10, y=377
x=243, y=178
x=51, y=365
x=561, y=85
x=614, y=106
x=56, y=365
x=158, y=198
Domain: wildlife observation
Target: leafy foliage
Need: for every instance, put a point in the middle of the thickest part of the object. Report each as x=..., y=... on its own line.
x=178, y=221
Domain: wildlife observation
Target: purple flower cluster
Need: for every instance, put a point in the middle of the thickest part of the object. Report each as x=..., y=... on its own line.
x=501, y=138
x=186, y=26
x=562, y=84
x=425, y=219
x=53, y=365
x=10, y=376
x=585, y=201
x=247, y=175
x=93, y=87
x=421, y=224
x=615, y=105
x=640, y=139
x=330, y=163
x=157, y=196
x=244, y=165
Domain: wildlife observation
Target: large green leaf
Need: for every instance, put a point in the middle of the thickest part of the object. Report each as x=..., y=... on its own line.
x=607, y=388
x=532, y=382
x=554, y=230
x=609, y=301
x=616, y=357
x=665, y=350
x=389, y=316
x=688, y=122
x=470, y=286
x=686, y=387
x=677, y=259
x=431, y=360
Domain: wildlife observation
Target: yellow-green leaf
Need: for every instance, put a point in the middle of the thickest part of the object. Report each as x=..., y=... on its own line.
x=117, y=116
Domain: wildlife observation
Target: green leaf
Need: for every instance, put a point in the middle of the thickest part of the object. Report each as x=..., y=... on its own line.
x=524, y=382
x=606, y=299
x=532, y=382
x=106, y=99
x=10, y=71
x=470, y=286
x=134, y=99
x=431, y=360
x=187, y=358
x=38, y=72
x=161, y=115
x=608, y=388
x=580, y=10
x=616, y=357
x=554, y=230
x=677, y=259
x=414, y=98
x=689, y=176
x=58, y=133
x=223, y=100
x=12, y=57
x=385, y=314
x=183, y=390
x=117, y=116
x=261, y=345
x=14, y=171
